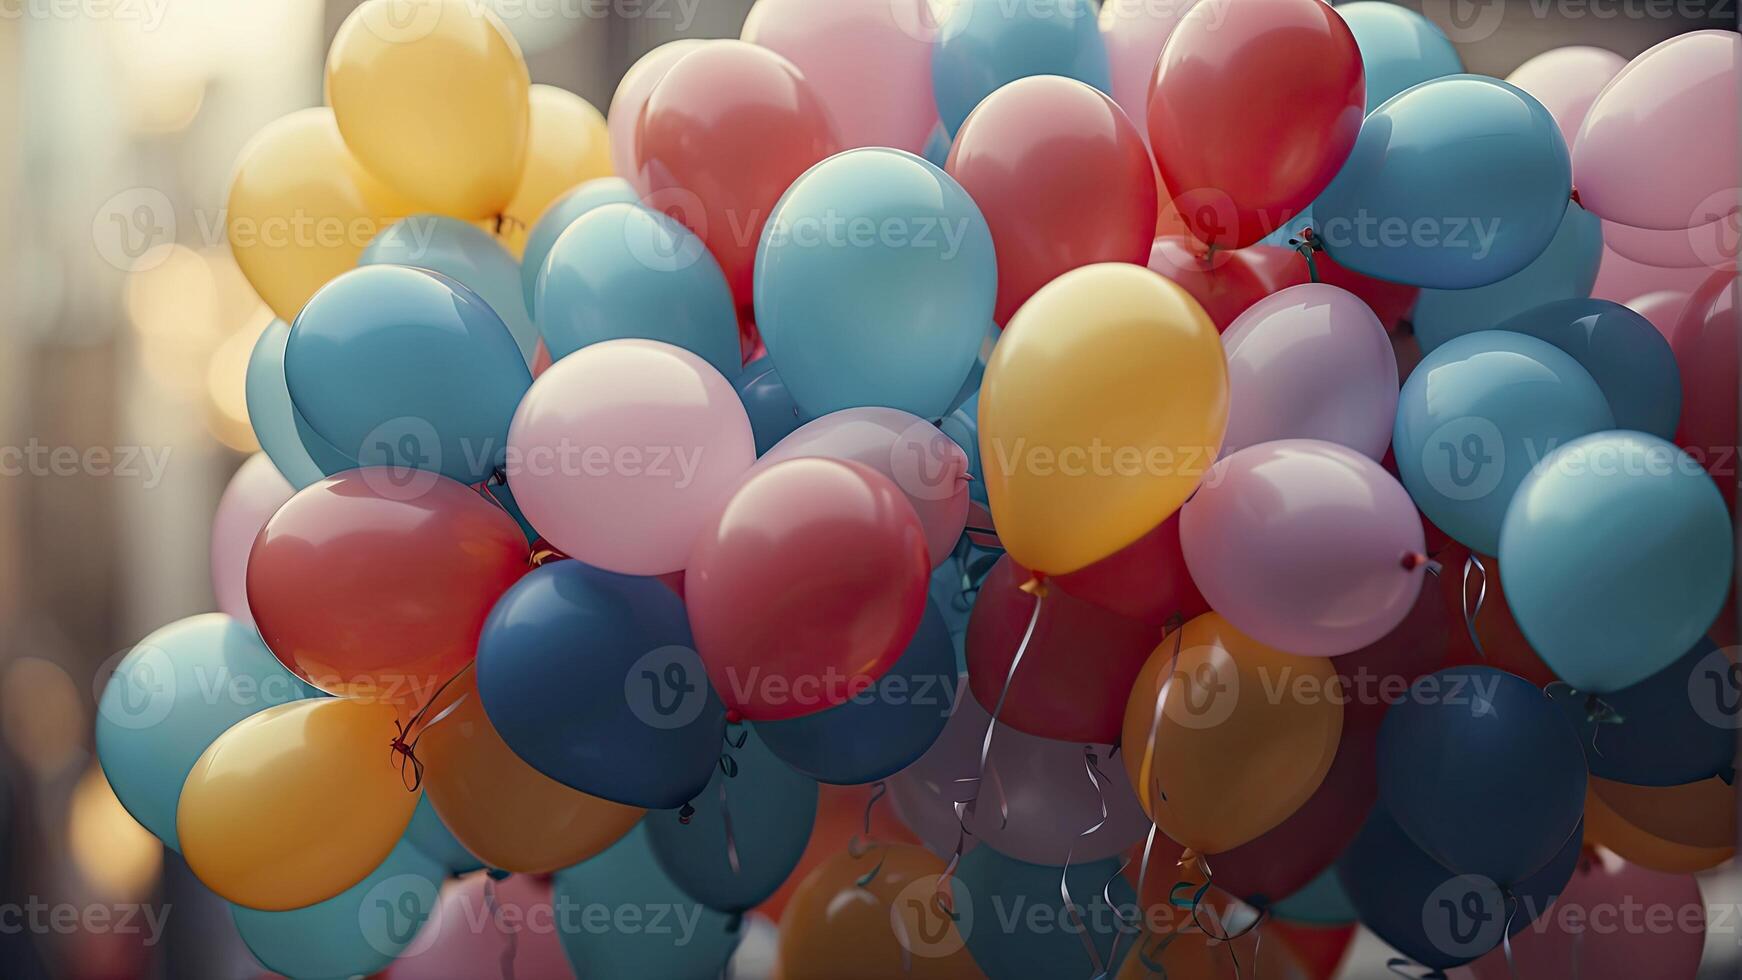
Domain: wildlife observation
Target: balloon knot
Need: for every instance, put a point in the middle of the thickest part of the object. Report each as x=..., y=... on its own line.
x=1413, y=560
x=1036, y=585
x=684, y=814
x=543, y=553
x=1574, y=197
x=733, y=716
x=410, y=766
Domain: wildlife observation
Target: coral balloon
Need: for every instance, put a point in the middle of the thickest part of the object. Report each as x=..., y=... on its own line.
x=1224, y=283
x=566, y=146
x=860, y=916
x=623, y=118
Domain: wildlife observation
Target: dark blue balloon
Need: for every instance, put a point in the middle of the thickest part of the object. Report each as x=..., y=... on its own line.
x=1482, y=771
x=1018, y=927
x=881, y=730
x=1623, y=352
x=770, y=810
x=773, y=413
x=1437, y=917
x=593, y=679
x=1676, y=726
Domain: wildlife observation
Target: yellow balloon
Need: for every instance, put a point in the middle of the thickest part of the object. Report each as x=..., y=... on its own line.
x=295, y=804
x=301, y=209
x=566, y=146
x=1241, y=737
x=1103, y=405
x=432, y=98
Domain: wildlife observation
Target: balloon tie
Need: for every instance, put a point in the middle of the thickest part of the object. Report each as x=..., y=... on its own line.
x=726, y=824
x=1402, y=967
x=1599, y=713
x=543, y=553
x=404, y=743
x=1306, y=244
x=1471, y=612
x=1573, y=196
x=1413, y=560
x=1512, y=904
x=686, y=813
x=860, y=844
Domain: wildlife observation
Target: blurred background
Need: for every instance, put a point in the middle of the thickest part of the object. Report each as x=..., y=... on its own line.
x=123, y=341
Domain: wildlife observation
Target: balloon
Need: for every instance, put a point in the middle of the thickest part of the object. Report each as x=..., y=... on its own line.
x=623, y=118
x=929, y=469
x=1134, y=34
x=1418, y=201
x=1310, y=362
x=300, y=209
x=1622, y=351
x=276, y=422
x=773, y=414
x=730, y=101
x=983, y=45
x=880, y=731
x=466, y=254
x=1469, y=742
x=937, y=147
x=1102, y=407
x=1713, y=243
x=1661, y=309
x=1225, y=284
x=631, y=721
x=1057, y=692
x=622, y=270
x=1625, y=523
x=1566, y=270
x=254, y=494
x=1305, y=546
x=1606, y=828
x=480, y=924
x=874, y=284
x=1502, y=643
x=1147, y=580
x=1475, y=417
x=1400, y=48
x=869, y=60
x=1701, y=814
x=407, y=368
x=1378, y=675
x=432, y=837
x=364, y=589
x=295, y=804
x=1673, y=113
x=1705, y=345
x=693, y=943
x=1253, y=108
x=171, y=697
x=1027, y=154
x=1322, y=902
x=785, y=627
x=1676, y=726
x=500, y=808
x=1622, y=280
x=562, y=212
x=625, y=450
x=850, y=920
x=431, y=96
x=1224, y=737
x=1048, y=943
x=1566, y=81
x=359, y=931
x=566, y=146
x=743, y=834
x=840, y=827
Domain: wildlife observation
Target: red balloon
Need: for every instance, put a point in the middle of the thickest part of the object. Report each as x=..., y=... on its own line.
x=1503, y=643
x=1379, y=674
x=807, y=587
x=1705, y=351
x=1146, y=580
x=1063, y=178
x=1079, y=667
x=1224, y=283
x=722, y=136
x=1254, y=106
x=368, y=586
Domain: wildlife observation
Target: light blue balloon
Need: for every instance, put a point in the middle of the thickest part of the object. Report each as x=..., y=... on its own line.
x=1455, y=183
x=1623, y=352
x=1618, y=556
x=937, y=147
x=987, y=44
x=623, y=918
x=875, y=280
x=1321, y=902
x=1567, y=269
x=1476, y=415
x=171, y=697
x=432, y=837
x=1399, y=48
x=1290, y=230
x=556, y=220
x=1044, y=940
x=271, y=414
x=773, y=413
x=357, y=932
x=622, y=270
x=406, y=367
x=468, y=255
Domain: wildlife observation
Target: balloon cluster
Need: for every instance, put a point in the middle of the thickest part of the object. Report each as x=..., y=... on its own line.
x=627, y=479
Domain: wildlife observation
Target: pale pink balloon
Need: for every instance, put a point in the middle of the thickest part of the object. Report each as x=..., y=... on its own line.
x=915, y=455
x=1620, y=279
x=623, y=451
x=1566, y=81
x=632, y=92
x=1310, y=362
x=255, y=493
x=869, y=61
x=1305, y=546
x=1135, y=31
x=1708, y=246
x=1663, y=308
x=1659, y=147
x=1614, y=921
x=472, y=932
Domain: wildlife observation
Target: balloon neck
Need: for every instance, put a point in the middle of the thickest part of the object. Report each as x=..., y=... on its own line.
x=733, y=717
x=1413, y=560
x=1036, y=585
x=1573, y=196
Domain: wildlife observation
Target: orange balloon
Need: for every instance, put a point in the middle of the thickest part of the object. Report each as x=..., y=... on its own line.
x=1701, y=814
x=510, y=815
x=1238, y=737
x=840, y=819
x=872, y=917
x=1605, y=827
x=1193, y=955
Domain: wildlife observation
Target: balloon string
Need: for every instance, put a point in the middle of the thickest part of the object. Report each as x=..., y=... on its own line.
x=729, y=766
x=1146, y=776
x=1512, y=904
x=1470, y=613
x=860, y=844
x=1306, y=245
x=1401, y=966
x=406, y=747
x=1147, y=954
x=962, y=809
x=1091, y=766
x=511, y=942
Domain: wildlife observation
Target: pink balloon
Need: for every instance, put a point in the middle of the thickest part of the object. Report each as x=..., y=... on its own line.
x=1566, y=81
x=1306, y=546
x=1045, y=785
x=1620, y=279
x=632, y=92
x=1135, y=33
x=1659, y=147
x=623, y=451
x=1310, y=362
x=915, y=455
x=255, y=493
x=869, y=61
x=1663, y=308
x=1707, y=246
x=470, y=933
x=1614, y=921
